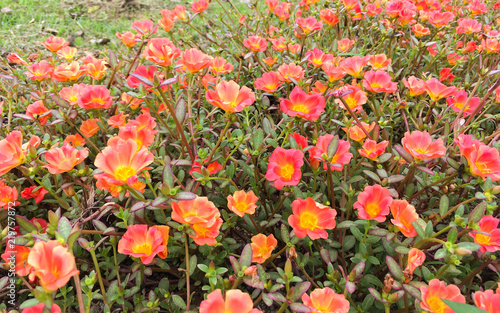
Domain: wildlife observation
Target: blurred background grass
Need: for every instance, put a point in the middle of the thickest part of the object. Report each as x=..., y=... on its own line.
x=86, y=24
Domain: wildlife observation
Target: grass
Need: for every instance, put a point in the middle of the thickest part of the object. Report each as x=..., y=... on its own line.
x=27, y=22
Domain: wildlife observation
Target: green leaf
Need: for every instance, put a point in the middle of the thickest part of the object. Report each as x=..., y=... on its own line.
x=179, y=302
x=463, y=308
x=29, y=303
x=394, y=268
x=192, y=264
x=285, y=235
x=444, y=204
x=246, y=256
x=168, y=176
x=258, y=138
x=64, y=227
x=452, y=235
x=25, y=224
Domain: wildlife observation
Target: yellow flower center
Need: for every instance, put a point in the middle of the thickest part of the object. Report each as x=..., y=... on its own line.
x=300, y=108
x=483, y=167
x=262, y=251
x=287, y=171
x=124, y=172
x=308, y=220
x=375, y=85
x=483, y=239
x=144, y=248
x=98, y=100
x=436, y=305
x=351, y=102
x=241, y=206
x=372, y=209
x=421, y=150
x=200, y=230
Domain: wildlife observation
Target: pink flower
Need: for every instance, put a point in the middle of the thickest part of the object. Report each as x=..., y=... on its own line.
x=236, y=302
x=284, y=167
x=489, y=235
x=303, y=105
x=372, y=150
x=311, y=219
x=379, y=81
x=421, y=146
x=373, y=203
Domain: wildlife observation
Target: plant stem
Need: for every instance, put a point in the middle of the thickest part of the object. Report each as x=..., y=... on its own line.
x=96, y=264
x=186, y=248
x=283, y=307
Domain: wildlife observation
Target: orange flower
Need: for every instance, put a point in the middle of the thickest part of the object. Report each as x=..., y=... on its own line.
x=269, y=82
x=458, y=102
x=379, y=61
x=373, y=203
x=355, y=99
x=310, y=218
x=236, y=302
x=333, y=72
x=415, y=85
x=317, y=57
x=220, y=66
x=117, y=120
x=337, y=161
x=180, y=12
x=71, y=94
x=354, y=66
x=194, y=60
x=284, y=167
x=308, y=25
x=488, y=300
x=62, y=160
x=491, y=45
x=145, y=27
x=75, y=140
x=436, y=90
x=67, y=53
x=19, y=255
x=142, y=133
x=16, y=59
x=326, y=301
x=287, y=71
x=421, y=146
x=39, y=71
x=38, y=111
x=199, y=6
x=379, y=81
x=433, y=295
x=303, y=105
x=128, y=38
x=279, y=44
x=12, y=153
x=129, y=101
x=484, y=161
x=205, y=235
x=142, y=242
x=344, y=44
x=439, y=19
x=121, y=162
x=161, y=51
x=229, y=97
x=8, y=196
x=419, y=30
x=89, y=127
x=165, y=231
x=468, y=26
x=53, y=264
x=68, y=72
x=270, y=61
x=242, y=202
x=94, y=97
x=167, y=21
x=255, y=43
x=415, y=259
x=372, y=150
x=95, y=68
x=404, y=215
x=488, y=225
x=262, y=246
x=355, y=133
x=328, y=17
x=55, y=44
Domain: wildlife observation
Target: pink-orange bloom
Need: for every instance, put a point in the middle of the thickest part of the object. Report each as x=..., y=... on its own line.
x=236, y=302
x=308, y=25
x=75, y=140
x=67, y=53
x=262, y=246
x=34, y=192
x=53, y=264
x=293, y=71
x=372, y=150
x=356, y=133
x=415, y=259
x=373, y=203
x=69, y=72
x=199, y=6
x=8, y=196
x=326, y=301
x=284, y=167
x=94, y=97
x=142, y=242
x=161, y=51
x=433, y=295
x=354, y=97
x=488, y=300
x=64, y=159
x=328, y=17
x=333, y=72
x=488, y=236
x=421, y=146
x=468, y=26
x=242, y=202
x=344, y=44
x=194, y=60
x=255, y=43
x=303, y=105
x=354, y=66
x=220, y=66
x=18, y=255
x=484, y=161
x=379, y=81
x=197, y=211
x=312, y=219
x=458, y=102
x=11, y=152
x=404, y=215
x=436, y=90
x=16, y=59
x=230, y=97
x=55, y=44
x=300, y=140
x=72, y=94
x=39, y=308
x=317, y=57
x=419, y=30
x=337, y=161
x=89, y=127
x=121, y=162
x=96, y=68
x=269, y=82
x=39, y=71
x=439, y=19
x=145, y=27
x=128, y=38
x=415, y=85
x=379, y=61
x=38, y=111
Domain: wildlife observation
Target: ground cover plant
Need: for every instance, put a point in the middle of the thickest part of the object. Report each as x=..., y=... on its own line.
x=312, y=156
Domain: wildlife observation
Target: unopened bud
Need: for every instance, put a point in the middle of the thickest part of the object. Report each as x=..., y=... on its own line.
x=462, y=251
